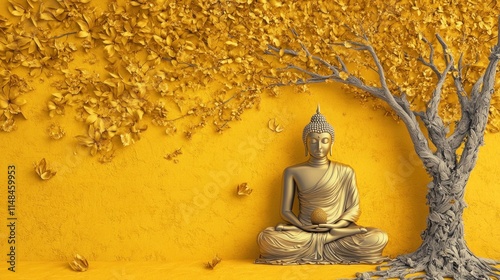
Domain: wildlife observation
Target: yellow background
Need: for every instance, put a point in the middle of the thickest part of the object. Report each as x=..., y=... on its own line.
x=144, y=207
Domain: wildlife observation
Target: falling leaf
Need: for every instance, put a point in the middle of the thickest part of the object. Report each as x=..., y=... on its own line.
x=43, y=171
x=173, y=156
x=79, y=264
x=274, y=126
x=215, y=261
x=243, y=189
x=55, y=131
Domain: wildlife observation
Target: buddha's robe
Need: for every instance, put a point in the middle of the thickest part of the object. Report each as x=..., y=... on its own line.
x=336, y=193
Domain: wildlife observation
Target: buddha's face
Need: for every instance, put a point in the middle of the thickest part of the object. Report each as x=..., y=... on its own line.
x=319, y=144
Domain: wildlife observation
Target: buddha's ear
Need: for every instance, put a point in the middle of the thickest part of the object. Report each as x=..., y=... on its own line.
x=305, y=147
x=331, y=150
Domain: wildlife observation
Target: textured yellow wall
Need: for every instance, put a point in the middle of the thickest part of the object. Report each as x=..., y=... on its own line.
x=143, y=207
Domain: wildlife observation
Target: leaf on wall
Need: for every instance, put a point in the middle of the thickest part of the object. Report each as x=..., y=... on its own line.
x=79, y=263
x=173, y=155
x=243, y=189
x=55, y=131
x=43, y=170
x=215, y=261
x=274, y=126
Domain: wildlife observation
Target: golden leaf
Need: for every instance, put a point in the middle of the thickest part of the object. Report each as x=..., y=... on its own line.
x=171, y=129
x=16, y=9
x=85, y=140
x=138, y=115
x=173, y=156
x=274, y=126
x=11, y=102
x=215, y=261
x=91, y=118
x=276, y=42
x=275, y=3
x=243, y=189
x=126, y=139
x=343, y=75
x=110, y=50
x=110, y=131
x=189, y=46
x=55, y=131
x=42, y=170
x=8, y=125
x=82, y=34
x=282, y=52
x=79, y=264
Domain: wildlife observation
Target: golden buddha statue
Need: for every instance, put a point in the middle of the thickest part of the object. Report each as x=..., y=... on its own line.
x=325, y=230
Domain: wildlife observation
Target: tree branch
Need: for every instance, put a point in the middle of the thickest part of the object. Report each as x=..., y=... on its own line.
x=434, y=123
x=430, y=64
x=272, y=50
x=480, y=110
x=461, y=127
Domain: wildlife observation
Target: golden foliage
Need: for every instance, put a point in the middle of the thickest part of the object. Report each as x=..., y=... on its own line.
x=42, y=169
x=243, y=189
x=173, y=155
x=157, y=55
x=215, y=261
x=397, y=30
x=55, y=131
x=79, y=263
x=11, y=99
x=274, y=126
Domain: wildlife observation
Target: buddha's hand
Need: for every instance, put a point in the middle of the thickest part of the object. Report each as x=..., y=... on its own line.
x=330, y=226
x=339, y=224
x=314, y=228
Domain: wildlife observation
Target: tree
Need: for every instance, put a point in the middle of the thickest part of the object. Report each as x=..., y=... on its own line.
x=443, y=252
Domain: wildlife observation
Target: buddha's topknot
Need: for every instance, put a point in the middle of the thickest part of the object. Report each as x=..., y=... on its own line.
x=318, y=124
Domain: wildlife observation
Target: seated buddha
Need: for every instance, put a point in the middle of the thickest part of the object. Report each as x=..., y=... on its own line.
x=325, y=229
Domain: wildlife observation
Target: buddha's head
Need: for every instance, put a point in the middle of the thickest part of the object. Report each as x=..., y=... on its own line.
x=318, y=136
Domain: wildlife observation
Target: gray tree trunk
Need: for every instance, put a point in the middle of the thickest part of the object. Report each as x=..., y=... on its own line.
x=443, y=252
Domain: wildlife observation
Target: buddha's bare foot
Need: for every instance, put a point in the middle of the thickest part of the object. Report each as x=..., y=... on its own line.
x=337, y=233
